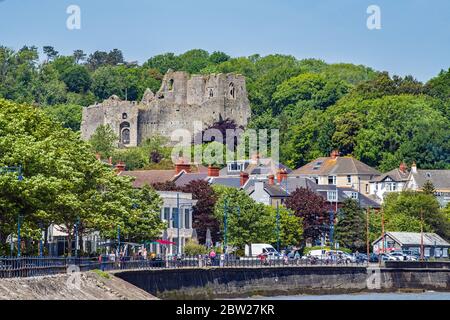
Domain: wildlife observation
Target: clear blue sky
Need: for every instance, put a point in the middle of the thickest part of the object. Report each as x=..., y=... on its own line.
x=414, y=39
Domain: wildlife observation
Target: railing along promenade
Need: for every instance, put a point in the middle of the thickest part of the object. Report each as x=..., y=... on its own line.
x=13, y=267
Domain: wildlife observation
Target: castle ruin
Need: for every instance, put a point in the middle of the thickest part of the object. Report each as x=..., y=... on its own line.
x=181, y=100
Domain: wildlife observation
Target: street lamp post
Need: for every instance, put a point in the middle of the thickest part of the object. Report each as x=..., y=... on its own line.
x=118, y=240
x=225, y=226
x=179, y=206
x=278, y=227
x=17, y=170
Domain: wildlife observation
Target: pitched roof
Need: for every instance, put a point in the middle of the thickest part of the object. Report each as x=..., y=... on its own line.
x=336, y=166
x=262, y=166
x=272, y=190
x=293, y=183
x=396, y=175
x=234, y=182
x=414, y=238
x=148, y=177
x=439, y=178
x=185, y=178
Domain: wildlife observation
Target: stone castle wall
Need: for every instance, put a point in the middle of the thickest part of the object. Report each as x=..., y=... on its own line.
x=181, y=100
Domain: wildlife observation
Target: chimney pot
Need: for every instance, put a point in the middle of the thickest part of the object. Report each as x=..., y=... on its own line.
x=334, y=154
x=271, y=179
x=414, y=167
x=281, y=175
x=182, y=166
x=403, y=167
x=213, y=171
x=244, y=178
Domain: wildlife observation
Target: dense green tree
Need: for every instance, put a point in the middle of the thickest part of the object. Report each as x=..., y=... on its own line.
x=193, y=61
x=403, y=212
x=103, y=140
x=218, y=57
x=77, y=79
x=350, y=229
x=69, y=115
x=428, y=188
x=79, y=55
x=164, y=62
x=50, y=52
x=97, y=59
x=63, y=184
x=247, y=221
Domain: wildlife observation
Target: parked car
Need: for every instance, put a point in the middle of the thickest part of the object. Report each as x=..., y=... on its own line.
x=361, y=258
x=373, y=257
x=399, y=255
x=388, y=257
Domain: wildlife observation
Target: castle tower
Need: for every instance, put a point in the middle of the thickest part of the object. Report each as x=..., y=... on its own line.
x=181, y=100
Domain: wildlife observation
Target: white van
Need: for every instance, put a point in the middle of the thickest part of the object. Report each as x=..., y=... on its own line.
x=319, y=254
x=261, y=248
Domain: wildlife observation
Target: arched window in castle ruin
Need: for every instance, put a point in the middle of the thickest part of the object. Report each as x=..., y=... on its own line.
x=232, y=91
x=125, y=133
x=211, y=92
x=170, y=84
x=124, y=116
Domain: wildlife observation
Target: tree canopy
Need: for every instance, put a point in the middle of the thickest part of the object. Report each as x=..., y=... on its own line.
x=64, y=184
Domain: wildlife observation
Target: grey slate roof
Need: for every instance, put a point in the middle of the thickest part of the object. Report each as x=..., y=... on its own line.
x=337, y=166
x=234, y=182
x=396, y=175
x=413, y=238
x=272, y=190
x=294, y=183
x=265, y=166
x=439, y=178
x=184, y=178
x=148, y=177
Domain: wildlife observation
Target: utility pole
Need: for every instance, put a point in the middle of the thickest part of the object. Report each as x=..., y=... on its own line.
x=18, y=235
x=367, y=235
x=421, y=236
x=225, y=226
x=118, y=240
x=278, y=227
x=178, y=224
x=382, y=234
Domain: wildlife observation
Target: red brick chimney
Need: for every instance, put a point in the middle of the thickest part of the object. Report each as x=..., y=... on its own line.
x=244, y=177
x=271, y=179
x=334, y=154
x=281, y=175
x=181, y=165
x=120, y=166
x=403, y=167
x=213, y=171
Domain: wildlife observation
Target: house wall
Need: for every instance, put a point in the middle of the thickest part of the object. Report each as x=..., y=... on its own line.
x=341, y=181
x=260, y=195
x=380, y=189
x=170, y=202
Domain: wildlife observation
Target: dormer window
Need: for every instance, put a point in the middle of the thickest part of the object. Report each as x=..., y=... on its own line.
x=332, y=180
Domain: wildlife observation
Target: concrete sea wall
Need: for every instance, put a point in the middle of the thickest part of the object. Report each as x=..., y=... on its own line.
x=209, y=283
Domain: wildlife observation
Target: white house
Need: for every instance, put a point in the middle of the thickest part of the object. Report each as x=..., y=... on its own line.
x=179, y=223
x=439, y=178
x=392, y=181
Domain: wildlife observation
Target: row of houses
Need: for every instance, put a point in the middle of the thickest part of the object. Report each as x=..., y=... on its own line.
x=335, y=178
